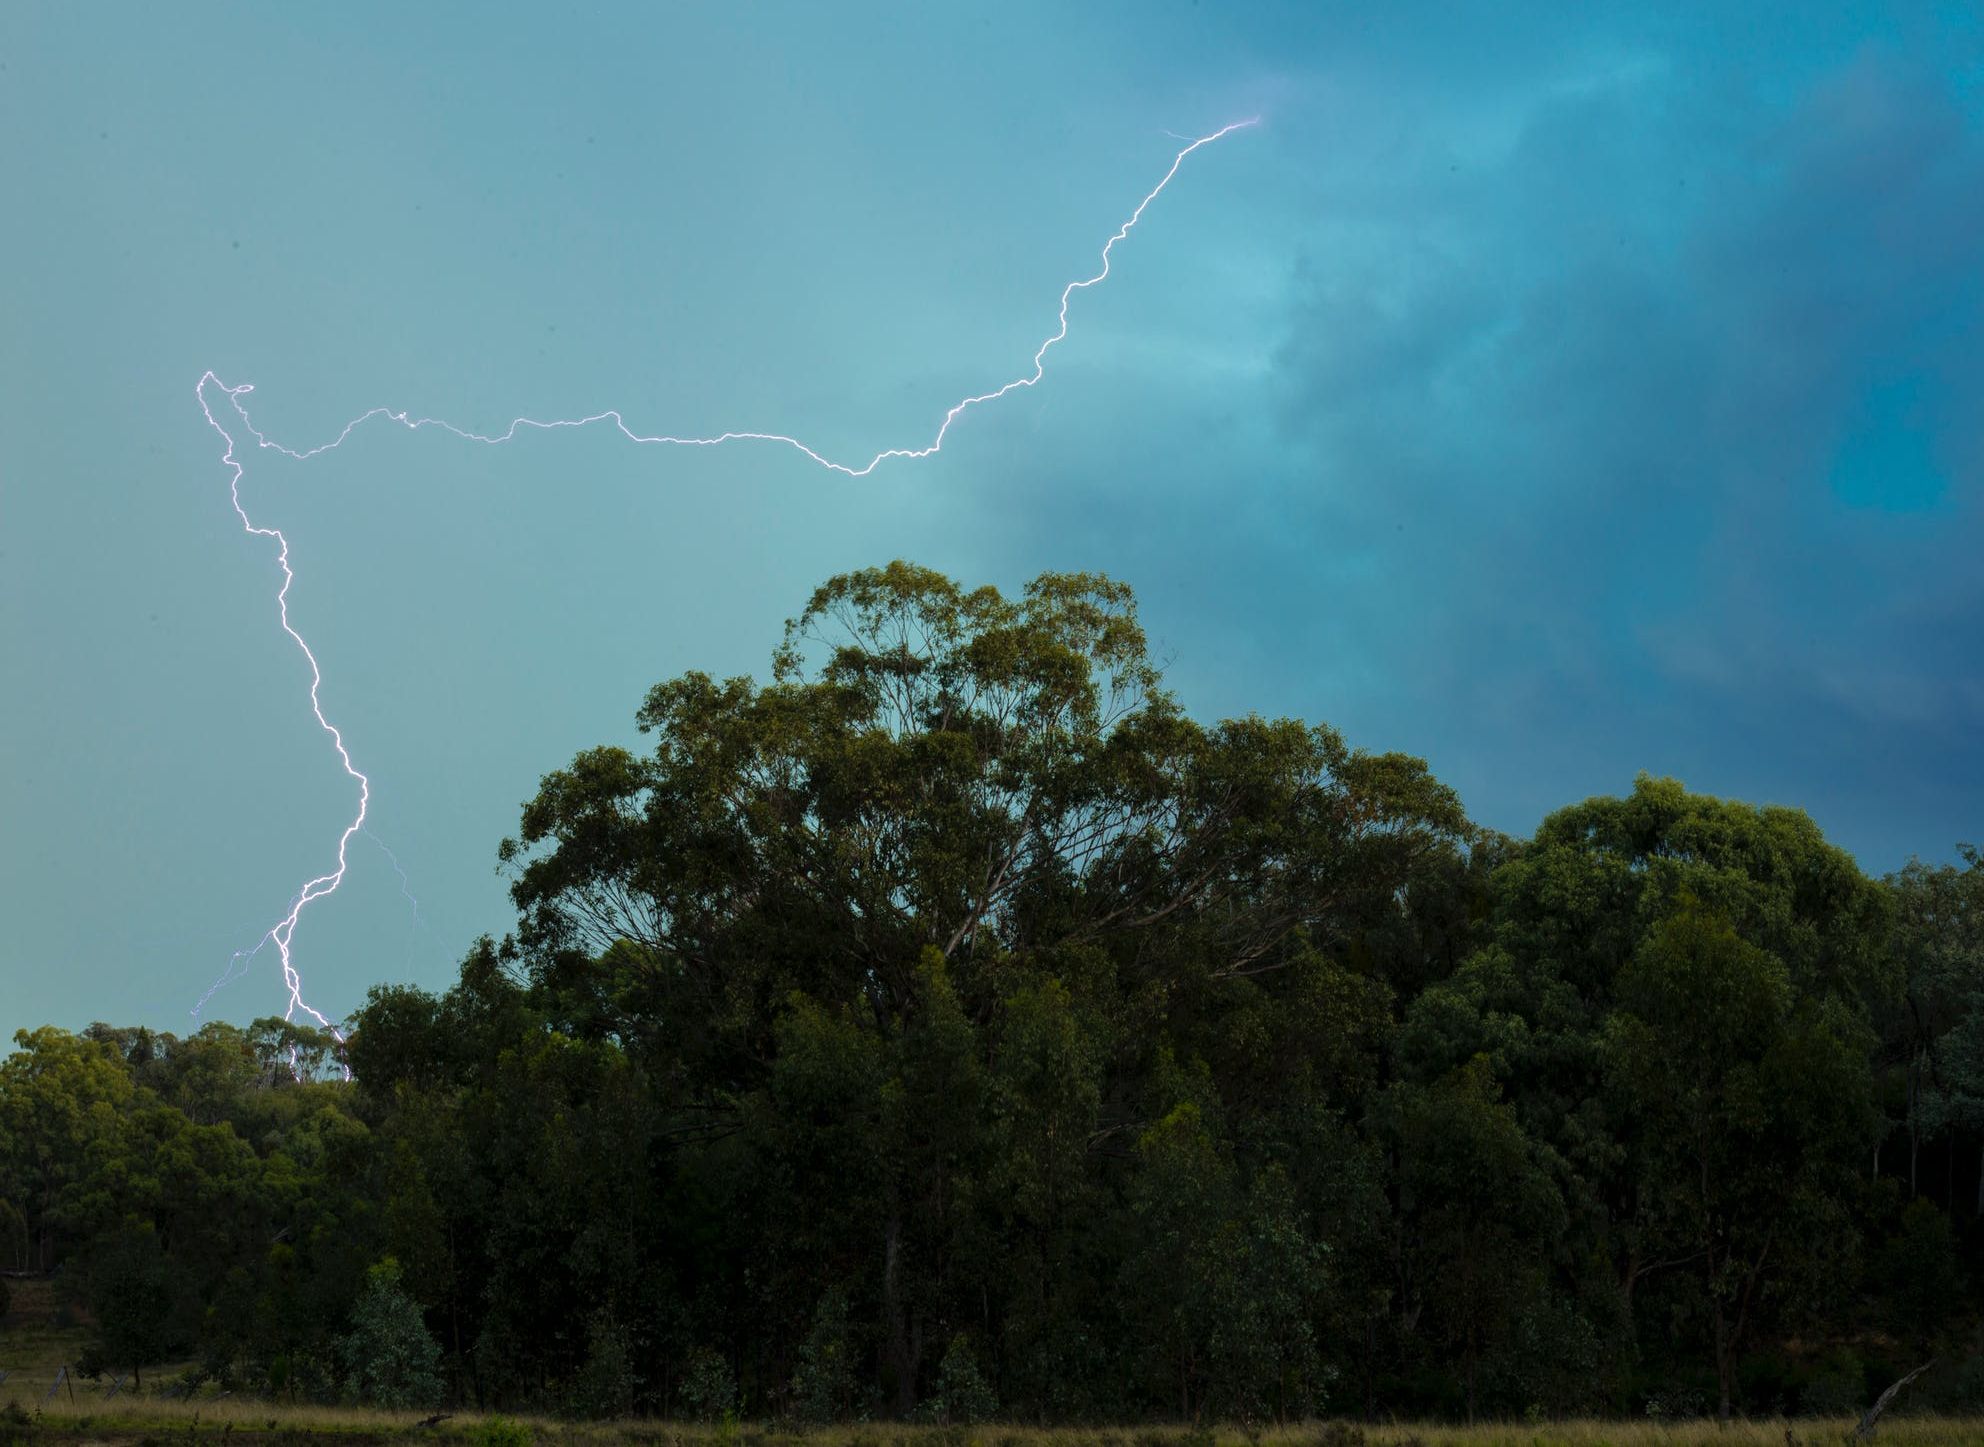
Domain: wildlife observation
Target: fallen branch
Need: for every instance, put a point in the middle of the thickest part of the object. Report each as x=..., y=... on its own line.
x=1865, y=1431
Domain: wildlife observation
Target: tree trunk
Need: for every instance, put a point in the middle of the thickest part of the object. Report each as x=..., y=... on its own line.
x=1371, y=1347
x=1914, y=1139
x=1723, y=1364
x=1470, y=1381
x=901, y=1358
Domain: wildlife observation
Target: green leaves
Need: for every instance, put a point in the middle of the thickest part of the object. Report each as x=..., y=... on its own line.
x=139, y=1297
x=948, y=1020
x=388, y=1357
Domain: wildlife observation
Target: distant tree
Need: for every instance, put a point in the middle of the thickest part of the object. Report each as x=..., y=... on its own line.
x=388, y=1357
x=137, y=1298
x=1964, y=1063
x=915, y=916
x=289, y=1052
x=62, y=1104
x=1750, y=1106
x=1579, y=914
x=206, y=1074
x=963, y=1396
x=824, y=1385
x=1479, y=1205
x=604, y=1386
x=709, y=1387
x=1921, y=1275
x=403, y=1039
x=1934, y=1031
x=961, y=772
x=14, y=1233
x=1224, y=1281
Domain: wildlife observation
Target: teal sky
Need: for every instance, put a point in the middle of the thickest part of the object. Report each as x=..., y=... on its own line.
x=1555, y=393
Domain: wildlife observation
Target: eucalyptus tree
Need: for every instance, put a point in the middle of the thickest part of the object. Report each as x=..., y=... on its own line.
x=1602, y=922
x=919, y=920
x=1934, y=1030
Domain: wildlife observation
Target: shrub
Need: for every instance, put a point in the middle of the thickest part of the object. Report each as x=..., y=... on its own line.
x=500, y=1432
x=604, y=1386
x=1922, y=1269
x=1965, y=1392
x=709, y=1391
x=823, y=1386
x=1838, y=1388
x=388, y=1356
x=963, y=1394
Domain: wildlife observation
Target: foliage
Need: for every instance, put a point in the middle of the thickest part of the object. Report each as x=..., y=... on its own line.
x=1837, y=1388
x=134, y=1297
x=824, y=1384
x=950, y=1024
x=388, y=1356
x=709, y=1388
x=606, y=1384
x=501, y=1432
x=962, y=1397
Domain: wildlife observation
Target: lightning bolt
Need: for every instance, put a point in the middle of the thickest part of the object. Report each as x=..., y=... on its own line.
x=283, y=932
x=406, y=885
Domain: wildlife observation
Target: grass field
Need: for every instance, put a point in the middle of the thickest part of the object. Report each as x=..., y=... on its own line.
x=34, y=1346
x=144, y=1420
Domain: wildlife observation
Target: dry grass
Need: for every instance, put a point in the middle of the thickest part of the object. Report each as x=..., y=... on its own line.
x=34, y=1345
x=147, y=1418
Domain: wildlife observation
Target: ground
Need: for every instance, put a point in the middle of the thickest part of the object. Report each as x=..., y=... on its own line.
x=36, y=1342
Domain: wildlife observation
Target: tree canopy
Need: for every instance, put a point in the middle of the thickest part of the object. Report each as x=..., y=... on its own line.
x=950, y=1025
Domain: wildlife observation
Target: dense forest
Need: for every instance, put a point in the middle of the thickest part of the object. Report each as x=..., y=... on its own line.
x=951, y=1027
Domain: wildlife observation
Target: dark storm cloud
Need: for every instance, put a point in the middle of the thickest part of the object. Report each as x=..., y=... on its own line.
x=1553, y=391
x=1674, y=402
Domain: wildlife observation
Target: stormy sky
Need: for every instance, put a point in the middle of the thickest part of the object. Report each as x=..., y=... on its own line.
x=1556, y=393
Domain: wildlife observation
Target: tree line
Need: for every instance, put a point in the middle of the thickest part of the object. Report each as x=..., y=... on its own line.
x=952, y=1027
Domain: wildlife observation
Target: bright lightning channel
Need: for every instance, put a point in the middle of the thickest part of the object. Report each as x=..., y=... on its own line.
x=283, y=932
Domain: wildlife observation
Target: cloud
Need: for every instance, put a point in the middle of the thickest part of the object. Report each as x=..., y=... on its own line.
x=1680, y=387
